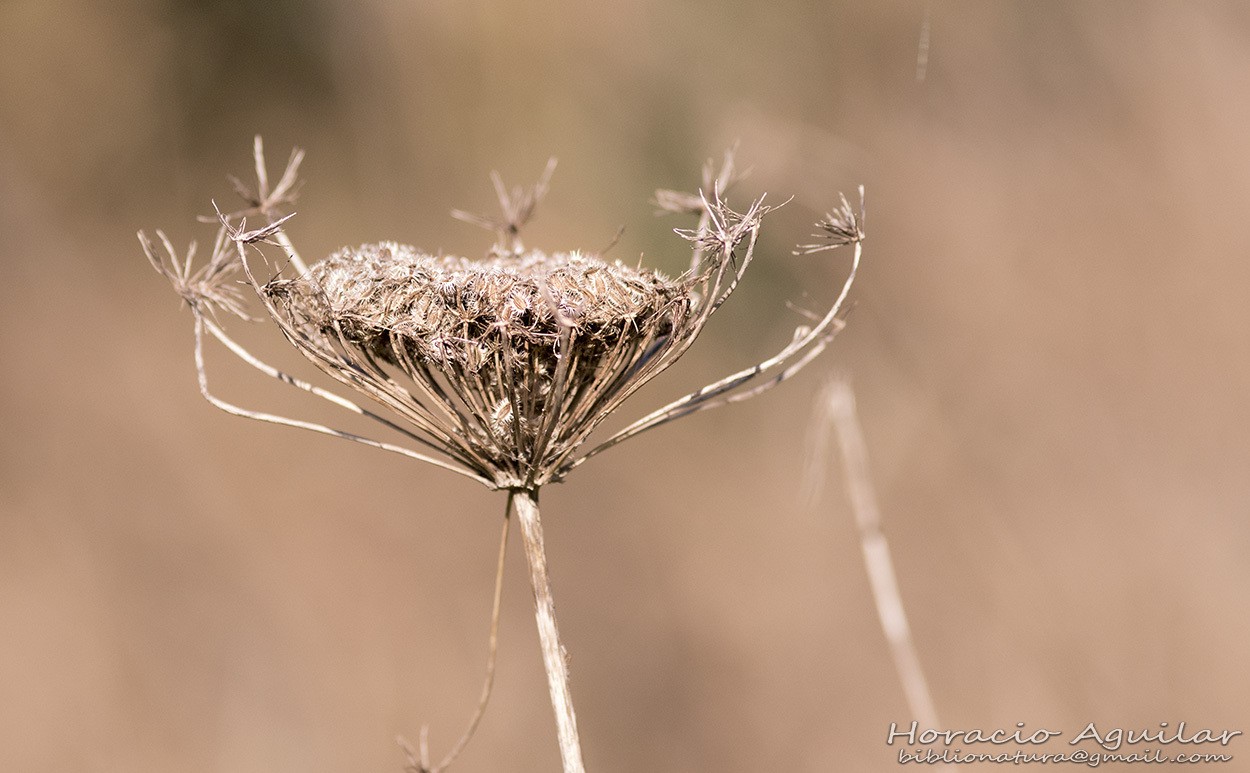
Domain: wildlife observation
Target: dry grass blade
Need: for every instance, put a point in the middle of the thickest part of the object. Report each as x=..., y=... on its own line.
x=839, y=418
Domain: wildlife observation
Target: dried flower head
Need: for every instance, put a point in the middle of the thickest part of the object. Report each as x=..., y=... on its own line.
x=500, y=369
x=510, y=361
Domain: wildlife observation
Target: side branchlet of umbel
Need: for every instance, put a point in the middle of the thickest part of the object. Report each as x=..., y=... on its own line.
x=498, y=369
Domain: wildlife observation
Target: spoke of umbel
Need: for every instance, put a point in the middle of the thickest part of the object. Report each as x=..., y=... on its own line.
x=554, y=660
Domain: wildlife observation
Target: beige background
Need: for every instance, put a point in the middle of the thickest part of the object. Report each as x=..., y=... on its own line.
x=1049, y=346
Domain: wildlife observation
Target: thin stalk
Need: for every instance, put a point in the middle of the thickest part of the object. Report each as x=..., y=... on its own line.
x=526, y=503
x=422, y=765
x=839, y=405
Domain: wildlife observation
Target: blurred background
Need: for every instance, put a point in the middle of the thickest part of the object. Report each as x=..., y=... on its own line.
x=1048, y=346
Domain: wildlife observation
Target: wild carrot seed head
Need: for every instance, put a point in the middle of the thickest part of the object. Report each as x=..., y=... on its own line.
x=454, y=311
x=524, y=353
x=499, y=369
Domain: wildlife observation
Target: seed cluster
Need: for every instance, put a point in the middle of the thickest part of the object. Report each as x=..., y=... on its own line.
x=400, y=303
x=515, y=358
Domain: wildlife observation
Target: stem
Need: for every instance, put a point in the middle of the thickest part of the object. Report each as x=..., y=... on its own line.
x=840, y=406
x=526, y=503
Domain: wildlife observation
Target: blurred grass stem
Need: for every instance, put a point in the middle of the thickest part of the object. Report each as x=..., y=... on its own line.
x=839, y=405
